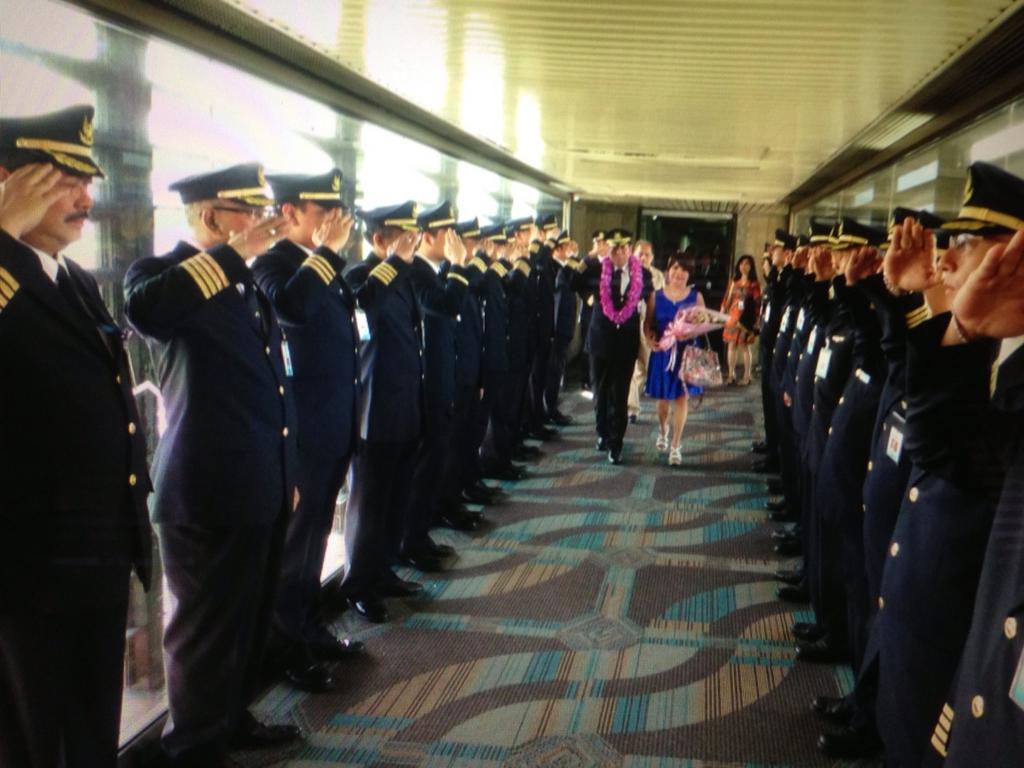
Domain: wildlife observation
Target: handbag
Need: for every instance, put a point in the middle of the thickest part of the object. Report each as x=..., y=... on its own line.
x=701, y=367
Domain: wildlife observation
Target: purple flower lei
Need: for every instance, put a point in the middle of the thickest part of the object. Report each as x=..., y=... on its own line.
x=636, y=287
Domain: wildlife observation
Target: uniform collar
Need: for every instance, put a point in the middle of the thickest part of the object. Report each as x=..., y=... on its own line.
x=51, y=266
x=433, y=266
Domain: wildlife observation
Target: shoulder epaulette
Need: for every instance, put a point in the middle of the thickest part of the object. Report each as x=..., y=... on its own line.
x=523, y=266
x=578, y=264
x=321, y=266
x=384, y=272
x=206, y=273
x=499, y=268
x=8, y=287
x=457, y=276
x=479, y=264
x=917, y=316
x=534, y=247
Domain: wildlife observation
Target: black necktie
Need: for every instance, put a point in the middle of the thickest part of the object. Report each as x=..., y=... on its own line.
x=617, y=286
x=78, y=305
x=443, y=271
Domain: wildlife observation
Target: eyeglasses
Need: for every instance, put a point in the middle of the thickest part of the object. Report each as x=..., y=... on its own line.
x=963, y=241
x=252, y=213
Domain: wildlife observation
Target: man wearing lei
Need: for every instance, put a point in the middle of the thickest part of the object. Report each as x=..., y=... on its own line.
x=621, y=283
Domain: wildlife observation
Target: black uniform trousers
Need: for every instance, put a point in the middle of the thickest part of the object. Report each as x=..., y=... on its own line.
x=380, y=483
x=428, y=486
x=610, y=377
x=321, y=476
x=771, y=423
x=539, y=381
x=495, y=429
x=225, y=582
x=462, y=464
x=61, y=683
x=556, y=372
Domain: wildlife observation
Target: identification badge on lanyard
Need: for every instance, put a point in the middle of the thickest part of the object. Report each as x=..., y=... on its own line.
x=863, y=376
x=767, y=313
x=812, y=339
x=785, y=318
x=800, y=319
x=824, y=359
x=894, y=440
x=286, y=355
x=1017, y=688
x=362, y=325
x=741, y=305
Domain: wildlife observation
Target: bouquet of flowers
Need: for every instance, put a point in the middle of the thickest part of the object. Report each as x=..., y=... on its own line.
x=690, y=323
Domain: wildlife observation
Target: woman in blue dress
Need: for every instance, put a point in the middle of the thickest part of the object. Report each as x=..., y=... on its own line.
x=663, y=382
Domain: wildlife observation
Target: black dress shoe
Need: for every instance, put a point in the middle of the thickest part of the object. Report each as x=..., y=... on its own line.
x=474, y=495
x=602, y=445
x=310, y=677
x=784, y=534
x=789, y=548
x=460, y=520
x=838, y=709
x=782, y=517
x=632, y=418
x=371, y=608
x=759, y=446
x=807, y=631
x=775, y=487
x=819, y=652
x=775, y=505
x=396, y=587
x=791, y=594
x=431, y=547
x=615, y=455
x=483, y=487
x=792, y=577
x=422, y=561
x=851, y=743
x=324, y=646
x=542, y=433
x=252, y=734
x=765, y=466
x=560, y=419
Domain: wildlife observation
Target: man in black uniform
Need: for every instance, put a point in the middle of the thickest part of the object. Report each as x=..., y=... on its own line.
x=564, y=328
x=599, y=250
x=390, y=410
x=614, y=333
x=440, y=281
x=301, y=275
x=224, y=470
x=73, y=521
x=543, y=270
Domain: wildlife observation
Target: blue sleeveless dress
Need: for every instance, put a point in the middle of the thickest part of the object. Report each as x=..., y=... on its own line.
x=663, y=383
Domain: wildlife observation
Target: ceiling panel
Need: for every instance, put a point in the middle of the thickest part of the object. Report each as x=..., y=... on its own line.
x=734, y=100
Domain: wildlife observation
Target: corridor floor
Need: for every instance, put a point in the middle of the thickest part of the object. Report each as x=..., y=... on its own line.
x=606, y=616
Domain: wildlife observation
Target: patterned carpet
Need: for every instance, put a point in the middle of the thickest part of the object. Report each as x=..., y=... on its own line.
x=608, y=616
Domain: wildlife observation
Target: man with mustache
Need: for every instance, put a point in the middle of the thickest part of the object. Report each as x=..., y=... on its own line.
x=73, y=522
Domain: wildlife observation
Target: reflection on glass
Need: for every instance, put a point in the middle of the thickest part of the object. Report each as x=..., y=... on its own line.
x=396, y=59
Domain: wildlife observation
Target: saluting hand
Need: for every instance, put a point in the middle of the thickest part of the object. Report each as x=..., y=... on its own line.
x=26, y=195
x=863, y=263
x=991, y=301
x=454, y=248
x=404, y=247
x=821, y=264
x=909, y=263
x=334, y=231
x=257, y=239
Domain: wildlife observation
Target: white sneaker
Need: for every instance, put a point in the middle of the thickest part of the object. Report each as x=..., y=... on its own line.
x=675, y=456
x=662, y=442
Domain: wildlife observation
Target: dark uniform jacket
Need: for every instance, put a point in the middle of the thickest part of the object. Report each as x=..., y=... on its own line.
x=439, y=298
x=469, y=328
x=987, y=711
x=317, y=309
x=495, y=316
x=565, y=302
x=542, y=277
x=391, y=363
x=72, y=451
x=228, y=455
x=517, y=291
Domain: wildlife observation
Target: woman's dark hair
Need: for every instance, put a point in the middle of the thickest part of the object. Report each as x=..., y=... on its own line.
x=681, y=260
x=736, y=275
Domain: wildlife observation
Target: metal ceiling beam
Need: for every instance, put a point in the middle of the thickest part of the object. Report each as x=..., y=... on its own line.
x=233, y=37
